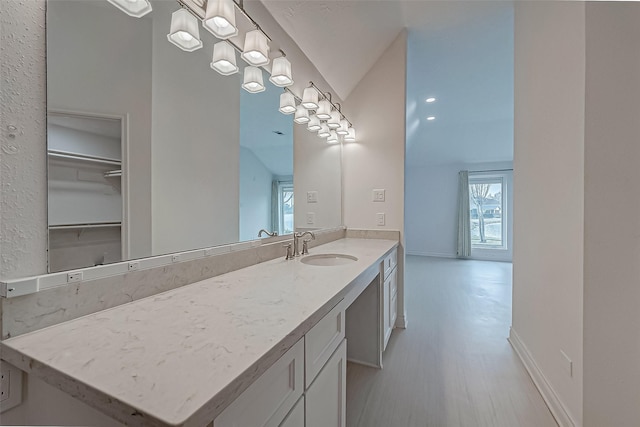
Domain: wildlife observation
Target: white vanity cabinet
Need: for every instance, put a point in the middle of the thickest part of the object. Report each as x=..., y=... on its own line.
x=317, y=364
x=389, y=298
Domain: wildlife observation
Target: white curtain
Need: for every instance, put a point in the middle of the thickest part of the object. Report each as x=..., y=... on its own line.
x=464, y=220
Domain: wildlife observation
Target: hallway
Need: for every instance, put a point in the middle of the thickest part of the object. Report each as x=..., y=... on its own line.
x=453, y=366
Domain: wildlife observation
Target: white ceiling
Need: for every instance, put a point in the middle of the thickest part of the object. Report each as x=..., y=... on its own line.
x=461, y=52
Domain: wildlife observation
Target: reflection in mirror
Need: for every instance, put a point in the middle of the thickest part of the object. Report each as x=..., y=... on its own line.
x=201, y=161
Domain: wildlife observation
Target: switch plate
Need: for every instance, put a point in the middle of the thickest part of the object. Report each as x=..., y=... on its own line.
x=74, y=276
x=10, y=386
x=378, y=195
x=380, y=218
x=312, y=197
x=567, y=363
x=134, y=266
x=311, y=218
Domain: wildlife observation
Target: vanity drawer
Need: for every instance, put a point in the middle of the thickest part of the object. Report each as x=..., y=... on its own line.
x=390, y=262
x=322, y=340
x=268, y=400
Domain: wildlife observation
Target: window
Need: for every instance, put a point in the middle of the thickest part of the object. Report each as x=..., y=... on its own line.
x=285, y=208
x=487, y=213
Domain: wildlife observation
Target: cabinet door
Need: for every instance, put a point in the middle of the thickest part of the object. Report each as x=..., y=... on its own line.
x=325, y=400
x=296, y=416
x=386, y=314
x=322, y=340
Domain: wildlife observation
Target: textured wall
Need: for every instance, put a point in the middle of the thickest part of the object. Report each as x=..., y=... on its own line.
x=23, y=180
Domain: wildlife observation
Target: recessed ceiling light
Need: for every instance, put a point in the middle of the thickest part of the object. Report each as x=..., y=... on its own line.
x=430, y=100
x=431, y=118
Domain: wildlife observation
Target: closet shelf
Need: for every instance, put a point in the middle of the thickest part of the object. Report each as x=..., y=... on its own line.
x=85, y=225
x=56, y=154
x=113, y=174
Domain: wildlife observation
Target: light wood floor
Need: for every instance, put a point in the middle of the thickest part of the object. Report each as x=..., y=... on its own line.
x=453, y=365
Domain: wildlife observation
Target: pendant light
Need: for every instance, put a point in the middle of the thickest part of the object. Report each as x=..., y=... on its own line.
x=253, y=82
x=324, y=131
x=344, y=127
x=333, y=138
x=224, y=58
x=184, y=31
x=314, y=124
x=302, y=115
x=324, y=110
x=351, y=137
x=281, y=72
x=256, y=48
x=310, y=98
x=220, y=18
x=287, y=103
x=135, y=8
x=334, y=120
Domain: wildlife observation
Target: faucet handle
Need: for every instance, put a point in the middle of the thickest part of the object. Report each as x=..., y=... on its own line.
x=305, y=248
x=289, y=255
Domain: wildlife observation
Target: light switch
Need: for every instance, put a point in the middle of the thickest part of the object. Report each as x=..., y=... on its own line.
x=380, y=218
x=311, y=218
x=312, y=197
x=378, y=195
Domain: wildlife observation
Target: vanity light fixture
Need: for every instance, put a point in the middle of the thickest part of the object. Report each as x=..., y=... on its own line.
x=302, y=115
x=184, y=31
x=224, y=58
x=310, y=98
x=220, y=18
x=287, y=103
x=334, y=120
x=253, y=82
x=324, y=131
x=324, y=110
x=314, y=124
x=344, y=127
x=333, y=138
x=135, y=8
x=351, y=137
x=256, y=48
x=281, y=72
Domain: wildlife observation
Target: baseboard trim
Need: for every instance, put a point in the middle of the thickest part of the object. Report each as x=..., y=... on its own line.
x=360, y=362
x=555, y=405
x=401, y=322
x=432, y=254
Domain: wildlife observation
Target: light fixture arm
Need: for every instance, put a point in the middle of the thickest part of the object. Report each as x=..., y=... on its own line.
x=298, y=99
x=327, y=96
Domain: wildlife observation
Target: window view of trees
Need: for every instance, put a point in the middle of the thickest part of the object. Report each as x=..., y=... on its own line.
x=485, y=203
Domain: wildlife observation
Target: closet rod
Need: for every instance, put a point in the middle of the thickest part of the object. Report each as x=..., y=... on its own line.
x=87, y=225
x=73, y=156
x=492, y=170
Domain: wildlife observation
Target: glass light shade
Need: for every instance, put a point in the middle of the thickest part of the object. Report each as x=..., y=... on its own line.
x=281, y=72
x=333, y=138
x=253, y=80
x=314, y=124
x=220, y=19
x=334, y=120
x=324, y=110
x=184, y=31
x=224, y=59
x=351, y=137
x=287, y=103
x=324, y=131
x=344, y=127
x=135, y=8
x=310, y=98
x=256, y=48
x=302, y=115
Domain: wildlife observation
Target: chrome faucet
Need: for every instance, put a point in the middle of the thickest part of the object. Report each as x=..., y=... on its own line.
x=273, y=234
x=296, y=242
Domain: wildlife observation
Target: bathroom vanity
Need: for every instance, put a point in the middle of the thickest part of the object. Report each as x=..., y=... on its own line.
x=264, y=345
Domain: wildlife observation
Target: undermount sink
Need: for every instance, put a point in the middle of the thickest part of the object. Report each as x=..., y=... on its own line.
x=328, y=259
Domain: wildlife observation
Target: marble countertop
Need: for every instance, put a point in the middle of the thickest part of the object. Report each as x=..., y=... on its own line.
x=180, y=357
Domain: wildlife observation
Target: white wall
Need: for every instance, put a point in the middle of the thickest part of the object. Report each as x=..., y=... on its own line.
x=255, y=195
x=612, y=216
x=110, y=79
x=376, y=159
x=431, y=210
x=549, y=186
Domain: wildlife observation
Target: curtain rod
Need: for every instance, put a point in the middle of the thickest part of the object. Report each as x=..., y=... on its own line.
x=493, y=170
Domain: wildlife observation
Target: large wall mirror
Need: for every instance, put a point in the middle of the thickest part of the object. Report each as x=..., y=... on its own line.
x=153, y=152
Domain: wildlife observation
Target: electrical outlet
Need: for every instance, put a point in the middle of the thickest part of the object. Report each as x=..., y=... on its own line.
x=74, y=276
x=567, y=363
x=175, y=258
x=311, y=218
x=378, y=195
x=134, y=266
x=10, y=386
x=312, y=197
x=380, y=218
